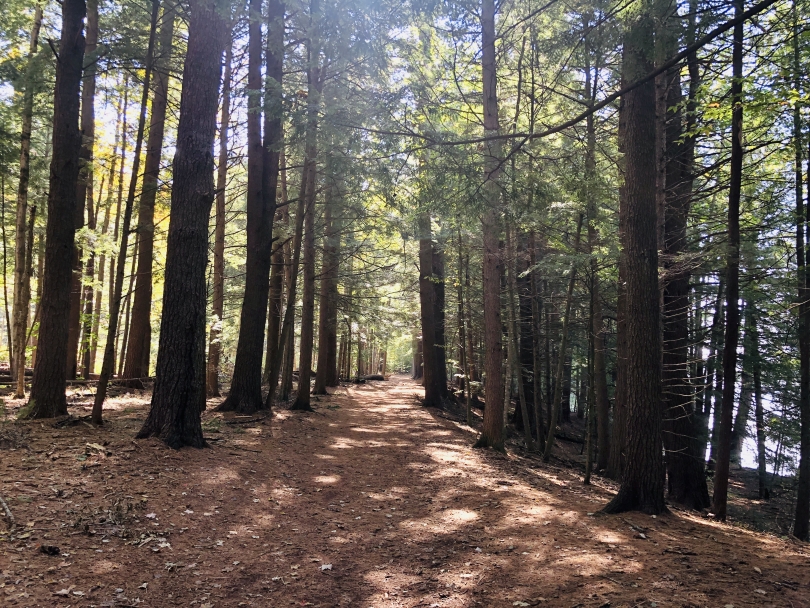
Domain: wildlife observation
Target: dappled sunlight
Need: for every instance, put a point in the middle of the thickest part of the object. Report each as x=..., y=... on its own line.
x=354, y=508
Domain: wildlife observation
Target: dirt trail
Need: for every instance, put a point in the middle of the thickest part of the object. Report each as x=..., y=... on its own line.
x=370, y=501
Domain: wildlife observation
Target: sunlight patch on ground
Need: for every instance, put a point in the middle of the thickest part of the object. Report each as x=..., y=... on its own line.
x=326, y=478
x=459, y=516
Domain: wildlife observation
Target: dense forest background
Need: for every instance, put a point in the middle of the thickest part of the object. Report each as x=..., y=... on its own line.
x=588, y=210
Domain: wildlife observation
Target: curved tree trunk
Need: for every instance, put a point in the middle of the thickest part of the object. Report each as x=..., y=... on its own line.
x=48, y=385
x=179, y=395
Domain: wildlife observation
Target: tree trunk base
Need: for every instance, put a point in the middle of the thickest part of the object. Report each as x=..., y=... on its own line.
x=629, y=500
x=300, y=405
x=484, y=442
x=241, y=403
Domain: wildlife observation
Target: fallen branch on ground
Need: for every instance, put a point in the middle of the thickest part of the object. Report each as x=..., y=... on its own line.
x=11, y=523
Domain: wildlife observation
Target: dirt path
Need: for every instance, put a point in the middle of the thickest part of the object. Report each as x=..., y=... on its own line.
x=370, y=501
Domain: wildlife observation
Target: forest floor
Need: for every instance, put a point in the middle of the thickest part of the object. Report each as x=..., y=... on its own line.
x=370, y=501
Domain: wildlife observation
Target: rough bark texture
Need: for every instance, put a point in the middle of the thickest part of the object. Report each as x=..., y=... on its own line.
x=22, y=278
x=438, y=318
x=720, y=498
x=315, y=83
x=801, y=522
x=48, y=385
x=263, y=159
x=179, y=393
x=642, y=486
x=136, y=365
x=554, y=407
x=598, y=385
x=491, y=220
x=327, y=321
x=427, y=306
x=218, y=288
x=108, y=364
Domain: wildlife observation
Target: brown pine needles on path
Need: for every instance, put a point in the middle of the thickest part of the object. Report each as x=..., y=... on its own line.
x=372, y=500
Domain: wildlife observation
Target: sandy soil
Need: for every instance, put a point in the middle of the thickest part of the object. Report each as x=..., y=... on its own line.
x=371, y=501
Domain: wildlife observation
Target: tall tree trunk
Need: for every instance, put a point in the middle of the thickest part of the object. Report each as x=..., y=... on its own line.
x=720, y=498
x=554, y=407
x=598, y=384
x=418, y=364
x=84, y=186
x=108, y=363
x=491, y=220
x=514, y=338
x=245, y=394
x=40, y=273
x=136, y=365
x=740, y=429
x=277, y=274
x=89, y=291
x=537, y=315
x=427, y=305
x=179, y=394
x=47, y=397
x=124, y=336
x=801, y=522
x=314, y=91
x=756, y=370
x=471, y=355
x=682, y=428
x=119, y=201
x=26, y=292
x=292, y=257
x=327, y=320
x=218, y=300
x=642, y=486
x=22, y=283
x=439, y=342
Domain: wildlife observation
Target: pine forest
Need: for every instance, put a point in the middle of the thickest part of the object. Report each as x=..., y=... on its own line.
x=400, y=303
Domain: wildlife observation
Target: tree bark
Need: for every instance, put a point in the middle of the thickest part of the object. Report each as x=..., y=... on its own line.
x=245, y=395
x=108, y=363
x=439, y=342
x=514, y=339
x=537, y=315
x=427, y=305
x=315, y=84
x=179, y=394
x=561, y=355
x=720, y=498
x=327, y=321
x=801, y=522
x=491, y=220
x=22, y=277
x=642, y=486
x=756, y=369
x=136, y=365
x=218, y=300
x=47, y=397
